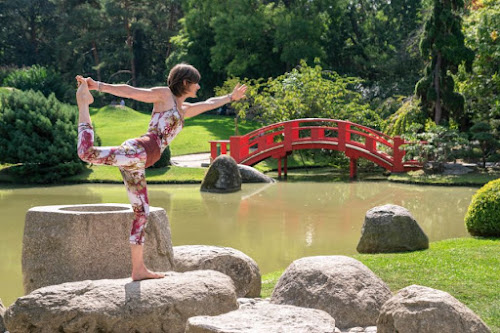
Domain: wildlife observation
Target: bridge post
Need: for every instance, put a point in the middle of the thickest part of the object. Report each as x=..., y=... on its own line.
x=398, y=155
x=344, y=134
x=279, y=167
x=353, y=168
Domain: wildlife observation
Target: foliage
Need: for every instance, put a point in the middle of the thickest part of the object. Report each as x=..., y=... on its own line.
x=164, y=160
x=483, y=215
x=39, y=132
x=443, y=44
x=437, y=143
x=487, y=142
x=481, y=87
x=39, y=78
x=306, y=92
x=405, y=119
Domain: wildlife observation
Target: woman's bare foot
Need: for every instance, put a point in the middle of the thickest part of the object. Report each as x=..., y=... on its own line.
x=83, y=95
x=143, y=273
x=139, y=270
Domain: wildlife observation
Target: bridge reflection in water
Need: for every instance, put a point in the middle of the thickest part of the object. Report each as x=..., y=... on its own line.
x=281, y=139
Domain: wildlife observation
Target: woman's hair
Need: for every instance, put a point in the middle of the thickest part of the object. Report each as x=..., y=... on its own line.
x=178, y=74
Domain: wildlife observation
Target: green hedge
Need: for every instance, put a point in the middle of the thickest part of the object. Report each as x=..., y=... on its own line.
x=483, y=215
x=39, y=135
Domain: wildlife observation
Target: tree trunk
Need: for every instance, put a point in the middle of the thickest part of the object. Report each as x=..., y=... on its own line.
x=437, y=106
x=96, y=59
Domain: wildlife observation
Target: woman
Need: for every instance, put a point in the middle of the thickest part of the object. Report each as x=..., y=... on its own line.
x=135, y=155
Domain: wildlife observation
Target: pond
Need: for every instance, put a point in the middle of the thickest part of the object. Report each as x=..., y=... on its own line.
x=274, y=224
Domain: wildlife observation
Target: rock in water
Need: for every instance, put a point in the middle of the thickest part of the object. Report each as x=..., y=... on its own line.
x=265, y=318
x=89, y=242
x=252, y=175
x=341, y=286
x=222, y=176
x=159, y=305
x=241, y=268
x=419, y=309
x=391, y=228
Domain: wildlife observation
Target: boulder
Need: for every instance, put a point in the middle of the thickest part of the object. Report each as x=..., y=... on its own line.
x=419, y=309
x=88, y=242
x=264, y=317
x=252, y=175
x=159, y=305
x=237, y=265
x=391, y=228
x=222, y=176
x=339, y=285
x=2, y=313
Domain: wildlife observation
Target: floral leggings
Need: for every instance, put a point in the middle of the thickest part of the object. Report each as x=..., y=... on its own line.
x=130, y=157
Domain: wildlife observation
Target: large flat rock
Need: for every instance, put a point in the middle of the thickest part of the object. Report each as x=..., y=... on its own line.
x=160, y=305
x=241, y=268
x=264, y=317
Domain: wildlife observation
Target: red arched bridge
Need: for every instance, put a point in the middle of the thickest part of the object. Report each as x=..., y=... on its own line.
x=280, y=139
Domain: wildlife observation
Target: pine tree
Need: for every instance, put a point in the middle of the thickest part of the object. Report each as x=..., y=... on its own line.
x=443, y=44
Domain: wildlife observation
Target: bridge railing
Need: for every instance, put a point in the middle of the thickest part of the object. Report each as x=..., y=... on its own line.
x=280, y=138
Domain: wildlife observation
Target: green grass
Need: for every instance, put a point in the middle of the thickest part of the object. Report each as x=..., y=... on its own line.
x=111, y=174
x=467, y=268
x=419, y=177
x=116, y=124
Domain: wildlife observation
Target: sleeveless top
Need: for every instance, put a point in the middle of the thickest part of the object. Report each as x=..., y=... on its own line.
x=163, y=128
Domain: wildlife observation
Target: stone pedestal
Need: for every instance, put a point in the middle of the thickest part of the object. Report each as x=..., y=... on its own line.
x=88, y=242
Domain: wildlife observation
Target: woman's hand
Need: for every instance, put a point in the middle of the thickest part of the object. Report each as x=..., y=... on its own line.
x=238, y=92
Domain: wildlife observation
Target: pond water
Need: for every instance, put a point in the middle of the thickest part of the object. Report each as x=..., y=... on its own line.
x=274, y=224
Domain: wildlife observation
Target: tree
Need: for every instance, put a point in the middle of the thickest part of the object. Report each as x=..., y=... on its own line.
x=306, y=92
x=443, y=44
x=482, y=133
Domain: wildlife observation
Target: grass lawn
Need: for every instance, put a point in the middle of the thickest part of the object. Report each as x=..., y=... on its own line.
x=466, y=268
x=115, y=124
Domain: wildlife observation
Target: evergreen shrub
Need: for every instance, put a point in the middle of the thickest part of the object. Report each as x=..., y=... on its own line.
x=41, y=134
x=483, y=215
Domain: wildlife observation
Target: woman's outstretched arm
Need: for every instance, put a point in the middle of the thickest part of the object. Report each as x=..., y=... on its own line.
x=147, y=95
x=193, y=109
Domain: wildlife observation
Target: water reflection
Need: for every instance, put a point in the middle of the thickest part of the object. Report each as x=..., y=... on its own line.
x=274, y=224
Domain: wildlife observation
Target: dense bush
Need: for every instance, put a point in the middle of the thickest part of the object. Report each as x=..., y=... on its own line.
x=41, y=134
x=483, y=215
x=164, y=159
x=41, y=79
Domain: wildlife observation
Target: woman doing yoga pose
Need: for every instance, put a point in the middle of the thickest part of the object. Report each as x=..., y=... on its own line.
x=134, y=155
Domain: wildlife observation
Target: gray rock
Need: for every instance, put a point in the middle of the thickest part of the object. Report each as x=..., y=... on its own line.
x=391, y=228
x=264, y=317
x=457, y=169
x=419, y=309
x=222, y=176
x=160, y=305
x=2, y=314
x=252, y=175
x=339, y=285
x=241, y=268
x=88, y=242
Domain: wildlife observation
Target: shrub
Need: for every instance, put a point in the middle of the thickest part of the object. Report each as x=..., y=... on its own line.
x=40, y=133
x=483, y=215
x=164, y=160
x=40, y=79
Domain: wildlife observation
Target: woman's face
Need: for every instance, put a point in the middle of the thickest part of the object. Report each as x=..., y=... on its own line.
x=192, y=89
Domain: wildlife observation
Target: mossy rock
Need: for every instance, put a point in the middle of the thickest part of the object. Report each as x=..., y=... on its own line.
x=483, y=215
